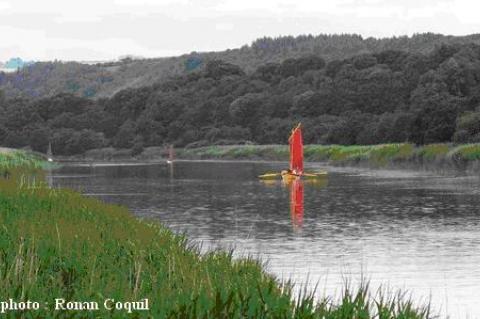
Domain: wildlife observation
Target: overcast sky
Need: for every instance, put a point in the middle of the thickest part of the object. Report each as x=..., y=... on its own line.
x=107, y=29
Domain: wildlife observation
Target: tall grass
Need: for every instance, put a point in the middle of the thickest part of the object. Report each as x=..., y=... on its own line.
x=20, y=159
x=56, y=243
x=379, y=154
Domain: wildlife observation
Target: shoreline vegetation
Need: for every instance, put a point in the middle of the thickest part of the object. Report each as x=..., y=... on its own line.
x=56, y=243
x=446, y=156
x=10, y=158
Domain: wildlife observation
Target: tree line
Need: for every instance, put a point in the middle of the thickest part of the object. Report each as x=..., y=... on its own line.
x=389, y=96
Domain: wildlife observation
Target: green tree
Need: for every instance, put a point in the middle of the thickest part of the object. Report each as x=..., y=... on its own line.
x=125, y=136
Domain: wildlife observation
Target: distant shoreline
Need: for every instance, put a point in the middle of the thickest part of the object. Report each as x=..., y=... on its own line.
x=464, y=158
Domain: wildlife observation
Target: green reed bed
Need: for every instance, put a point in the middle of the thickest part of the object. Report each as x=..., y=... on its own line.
x=56, y=243
x=467, y=152
x=20, y=158
x=377, y=155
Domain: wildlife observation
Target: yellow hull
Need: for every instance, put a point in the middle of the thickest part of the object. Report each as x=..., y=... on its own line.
x=292, y=176
x=270, y=176
x=315, y=175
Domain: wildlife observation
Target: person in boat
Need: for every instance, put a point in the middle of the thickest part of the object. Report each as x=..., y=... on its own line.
x=289, y=172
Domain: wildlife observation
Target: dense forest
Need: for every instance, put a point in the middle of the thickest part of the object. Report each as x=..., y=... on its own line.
x=370, y=98
x=105, y=79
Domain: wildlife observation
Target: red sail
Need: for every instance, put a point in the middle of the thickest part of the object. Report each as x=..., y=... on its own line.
x=296, y=151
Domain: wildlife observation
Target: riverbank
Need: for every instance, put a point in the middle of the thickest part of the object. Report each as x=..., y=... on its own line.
x=58, y=244
x=433, y=157
x=401, y=155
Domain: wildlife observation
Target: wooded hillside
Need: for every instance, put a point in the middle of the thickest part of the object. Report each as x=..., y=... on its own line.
x=104, y=80
x=389, y=96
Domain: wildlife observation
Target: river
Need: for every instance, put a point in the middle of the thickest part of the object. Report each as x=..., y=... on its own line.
x=403, y=230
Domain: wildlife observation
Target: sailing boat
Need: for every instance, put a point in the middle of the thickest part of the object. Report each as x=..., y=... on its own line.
x=49, y=153
x=295, y=170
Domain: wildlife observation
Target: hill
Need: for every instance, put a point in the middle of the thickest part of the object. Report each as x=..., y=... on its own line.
x=385, y=97
x=104, y=80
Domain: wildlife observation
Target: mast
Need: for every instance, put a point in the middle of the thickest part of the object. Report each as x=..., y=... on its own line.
x=49, y=152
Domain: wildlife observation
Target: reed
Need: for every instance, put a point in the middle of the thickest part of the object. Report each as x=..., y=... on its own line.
x=467, y=152
x=433, y=152
x=20, y=158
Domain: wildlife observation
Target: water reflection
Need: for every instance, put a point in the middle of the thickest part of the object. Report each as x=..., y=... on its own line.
x=296, y=189
x=171, y=165
x=296, y=203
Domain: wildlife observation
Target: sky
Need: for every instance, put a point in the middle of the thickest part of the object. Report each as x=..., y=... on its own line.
x=94, y=30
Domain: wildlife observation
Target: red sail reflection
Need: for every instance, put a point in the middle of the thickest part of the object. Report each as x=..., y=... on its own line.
x=296, y=203
x=296, y=188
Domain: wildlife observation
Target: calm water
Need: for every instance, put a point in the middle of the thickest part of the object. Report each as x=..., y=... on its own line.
x=400, y=229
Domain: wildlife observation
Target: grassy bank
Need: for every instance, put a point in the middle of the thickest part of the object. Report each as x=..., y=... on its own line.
x=379, y=155
x=56, y=243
